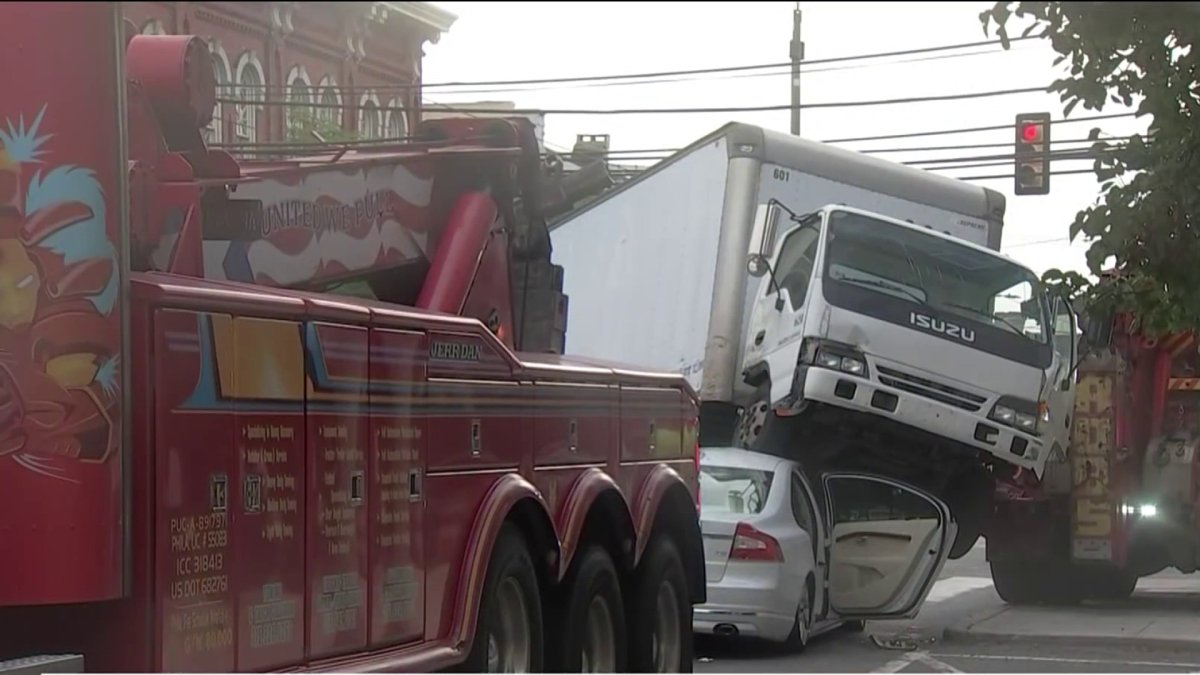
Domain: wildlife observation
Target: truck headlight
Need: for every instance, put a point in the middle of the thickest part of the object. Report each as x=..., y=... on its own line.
x=1016, y=413
x=827, y=360
x=1004, y=414
x=853, y=366
x=834, y=356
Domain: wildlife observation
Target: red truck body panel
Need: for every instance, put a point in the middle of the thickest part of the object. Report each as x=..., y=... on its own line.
x=207, y=467
x=62, y=399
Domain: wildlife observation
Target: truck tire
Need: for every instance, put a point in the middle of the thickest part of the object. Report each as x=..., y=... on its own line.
x=508, y=635
x=761, y=430
x=1014, y=582
x=1021, y=582
x=970, y=501
x=593, y=635
x=1107, y=583
x=660, y=612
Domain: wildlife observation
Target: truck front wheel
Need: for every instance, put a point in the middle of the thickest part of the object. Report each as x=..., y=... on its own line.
x=761, y=430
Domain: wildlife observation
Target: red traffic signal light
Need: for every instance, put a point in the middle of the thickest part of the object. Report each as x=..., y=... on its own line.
x=1031, y=154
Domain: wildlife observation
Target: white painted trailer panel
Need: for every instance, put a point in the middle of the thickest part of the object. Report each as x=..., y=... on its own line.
x=639, y=269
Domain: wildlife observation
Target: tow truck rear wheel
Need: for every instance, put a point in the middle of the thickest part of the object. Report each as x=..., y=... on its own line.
x=508, y=634
x=593, y=636
x=660, y=612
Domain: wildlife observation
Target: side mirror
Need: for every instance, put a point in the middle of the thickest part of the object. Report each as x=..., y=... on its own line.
x=757, y=265
x=1097, y=331
x=766, y=225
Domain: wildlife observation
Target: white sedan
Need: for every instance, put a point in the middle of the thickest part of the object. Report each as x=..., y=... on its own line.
x=777, y=570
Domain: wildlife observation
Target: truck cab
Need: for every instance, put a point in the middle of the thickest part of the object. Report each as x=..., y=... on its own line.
x=889, y=326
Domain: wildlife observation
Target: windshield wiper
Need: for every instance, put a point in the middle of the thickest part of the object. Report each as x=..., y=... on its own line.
x=991, y=318
x=883, y=284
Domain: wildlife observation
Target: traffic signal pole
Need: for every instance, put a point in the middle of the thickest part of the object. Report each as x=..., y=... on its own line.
x=797, y=55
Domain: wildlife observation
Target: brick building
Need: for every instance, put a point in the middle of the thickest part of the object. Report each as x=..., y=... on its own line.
x=359, y=63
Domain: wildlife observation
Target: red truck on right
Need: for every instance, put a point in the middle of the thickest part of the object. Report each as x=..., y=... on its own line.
x=1121, y=503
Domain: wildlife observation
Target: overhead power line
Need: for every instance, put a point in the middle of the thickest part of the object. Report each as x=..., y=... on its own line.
x=679, y=111
x=674, y=75
x=1056, y=240
x=1009, y=176
x=774, y=71
x=969, y=130
x=711, y=78
x=663, y=153
x=765, y=108
x=955, y=163
x=726, y=69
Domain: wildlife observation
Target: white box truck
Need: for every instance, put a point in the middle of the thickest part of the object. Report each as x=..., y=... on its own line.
x=827, y=304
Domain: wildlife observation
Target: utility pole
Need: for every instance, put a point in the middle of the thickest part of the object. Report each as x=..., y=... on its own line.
x=797, y=54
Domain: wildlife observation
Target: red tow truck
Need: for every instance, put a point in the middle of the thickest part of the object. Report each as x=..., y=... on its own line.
x=306, y=414
x=1123, y=501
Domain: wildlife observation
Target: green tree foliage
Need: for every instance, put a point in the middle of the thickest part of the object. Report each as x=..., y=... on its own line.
x=1145, y=227
x=304, y=120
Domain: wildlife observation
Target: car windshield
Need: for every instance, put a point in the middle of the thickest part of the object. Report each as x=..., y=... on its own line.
x=728, y=490
x=932, y=271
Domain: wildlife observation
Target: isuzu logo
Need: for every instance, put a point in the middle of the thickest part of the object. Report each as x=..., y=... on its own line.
x=946, y=328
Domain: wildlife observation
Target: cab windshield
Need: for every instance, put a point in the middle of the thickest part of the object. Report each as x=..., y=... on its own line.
x=895, y=272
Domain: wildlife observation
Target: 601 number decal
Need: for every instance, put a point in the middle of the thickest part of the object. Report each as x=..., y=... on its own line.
x=781, y=174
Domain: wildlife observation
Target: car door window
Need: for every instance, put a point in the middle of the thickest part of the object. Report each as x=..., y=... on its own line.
x=794, y=267
x=803, y=512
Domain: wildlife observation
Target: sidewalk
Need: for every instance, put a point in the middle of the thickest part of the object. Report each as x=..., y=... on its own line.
x=1163, y=613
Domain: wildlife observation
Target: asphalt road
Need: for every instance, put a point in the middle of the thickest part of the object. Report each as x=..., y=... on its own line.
x=964, y=591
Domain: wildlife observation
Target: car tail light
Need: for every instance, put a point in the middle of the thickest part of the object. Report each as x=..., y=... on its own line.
x=750, y=543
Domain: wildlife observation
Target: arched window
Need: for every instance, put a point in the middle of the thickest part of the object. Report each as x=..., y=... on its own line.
x=153, y=27
x=250, y=94
x=397, y=124
x=299, y=118
x=220, y=62
x=330, y=98
x=370, y=117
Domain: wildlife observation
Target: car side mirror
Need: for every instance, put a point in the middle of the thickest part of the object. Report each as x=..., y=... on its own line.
x=757, y=265
x=1097, y=331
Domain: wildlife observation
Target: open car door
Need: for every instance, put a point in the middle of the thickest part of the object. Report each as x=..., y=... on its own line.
x=886, y=543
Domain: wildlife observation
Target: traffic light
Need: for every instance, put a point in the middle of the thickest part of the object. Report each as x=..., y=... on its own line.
x=1031, y=171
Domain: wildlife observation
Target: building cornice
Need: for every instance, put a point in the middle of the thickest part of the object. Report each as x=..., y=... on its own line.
x=424, y=13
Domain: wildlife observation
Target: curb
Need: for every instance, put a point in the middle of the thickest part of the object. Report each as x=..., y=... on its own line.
x=966, y=635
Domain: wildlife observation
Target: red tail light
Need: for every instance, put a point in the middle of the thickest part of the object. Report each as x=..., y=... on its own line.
x=750, y=543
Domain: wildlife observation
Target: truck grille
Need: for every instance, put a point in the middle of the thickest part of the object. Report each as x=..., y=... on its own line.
x=930, y=389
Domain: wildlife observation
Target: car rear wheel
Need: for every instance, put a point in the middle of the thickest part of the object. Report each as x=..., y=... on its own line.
x=803, y=627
